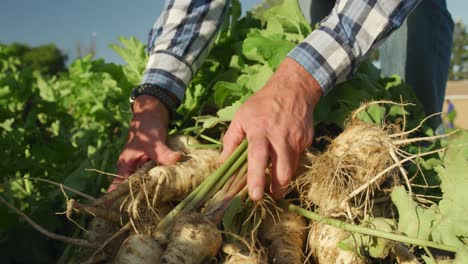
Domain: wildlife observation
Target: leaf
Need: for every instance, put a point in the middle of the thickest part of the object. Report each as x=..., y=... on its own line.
x=226, y=93
x=236, y=63
x=452, y=224
x=6, y=124
x=259, y=79
x=266, y=50
x=365, y=117
x=462, y=256
x=227, y=113
x=45, y=90
x=224, y=115
x=377, y=113
x=376, y=247
x=232, y=216
x=396, y=110
x=274, y=28
x=133, y=52
x=287, y=12
x=414, y=221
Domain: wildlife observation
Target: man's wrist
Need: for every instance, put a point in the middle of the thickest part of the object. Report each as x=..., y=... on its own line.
x=303, y=80
x=169, y=100
x=146, y=104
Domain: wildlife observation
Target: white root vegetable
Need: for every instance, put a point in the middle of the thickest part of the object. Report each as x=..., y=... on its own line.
x=351, y=159
x=194, y=239
x=180, y=143
x=323, y=245
x=241, y=258
x=284, y=237
x=242, y=252
x=174, y=182
x=139, y=249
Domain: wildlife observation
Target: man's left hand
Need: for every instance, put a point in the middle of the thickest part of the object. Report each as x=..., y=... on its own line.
x=278, y=124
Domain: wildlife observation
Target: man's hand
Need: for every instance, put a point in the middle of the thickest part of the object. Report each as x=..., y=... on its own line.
x=146, y=138
x=278, y=124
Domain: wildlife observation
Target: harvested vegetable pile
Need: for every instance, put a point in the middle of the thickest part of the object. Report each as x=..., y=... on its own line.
x=376, y=186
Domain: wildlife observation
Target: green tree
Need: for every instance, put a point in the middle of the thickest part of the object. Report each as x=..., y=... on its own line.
x=459, y=61
x=47, y=59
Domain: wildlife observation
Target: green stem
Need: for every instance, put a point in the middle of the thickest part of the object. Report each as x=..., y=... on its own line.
x=204, y=146
x=207, y=193
x=212, y=140
x=207, y=184
x=364, y=230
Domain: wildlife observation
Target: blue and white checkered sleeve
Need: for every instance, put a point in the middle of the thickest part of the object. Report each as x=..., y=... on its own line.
x=345, y=38
x=179, y=42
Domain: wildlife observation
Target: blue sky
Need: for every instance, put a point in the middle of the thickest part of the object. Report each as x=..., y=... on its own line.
x=65, y=22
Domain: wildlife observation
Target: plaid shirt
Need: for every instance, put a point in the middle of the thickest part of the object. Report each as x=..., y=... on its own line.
x=181, y=37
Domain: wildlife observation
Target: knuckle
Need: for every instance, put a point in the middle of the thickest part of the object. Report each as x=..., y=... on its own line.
x=281, y=132
x=122, y=157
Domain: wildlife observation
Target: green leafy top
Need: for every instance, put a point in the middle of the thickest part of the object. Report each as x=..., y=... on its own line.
x=446, y=222
x=227, y=79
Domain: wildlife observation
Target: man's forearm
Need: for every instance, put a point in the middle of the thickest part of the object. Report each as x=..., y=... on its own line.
x=180, y=41
x=347, y=36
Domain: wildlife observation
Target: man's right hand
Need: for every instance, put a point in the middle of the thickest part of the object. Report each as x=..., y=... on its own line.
x=146, y=138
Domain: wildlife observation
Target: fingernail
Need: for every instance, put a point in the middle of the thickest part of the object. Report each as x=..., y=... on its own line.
x=257, y=194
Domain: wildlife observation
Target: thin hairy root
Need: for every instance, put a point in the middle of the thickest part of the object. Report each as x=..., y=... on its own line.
x=99, y=231
x=135, y=204
x=259, y=212
x=105, y=213
x=412, y=140
x=243, y=251
x=136, y=180
x=149, y=219
x=68, y=213
x=366, y=105
x=284, y=237
x=106, y=173
x=377, y=177
x=124, y=187
x=402, y=170
x=405, y=133
x=40, y=229
x=238, y=256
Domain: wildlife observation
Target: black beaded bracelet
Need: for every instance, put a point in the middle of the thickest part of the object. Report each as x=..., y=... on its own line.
x=162, y=95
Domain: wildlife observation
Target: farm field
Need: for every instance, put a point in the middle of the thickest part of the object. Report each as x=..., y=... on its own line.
x=457, y=92
x=376, y=185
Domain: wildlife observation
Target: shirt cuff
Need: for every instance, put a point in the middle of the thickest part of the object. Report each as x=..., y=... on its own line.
x=168, y=72
x=325, y=56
